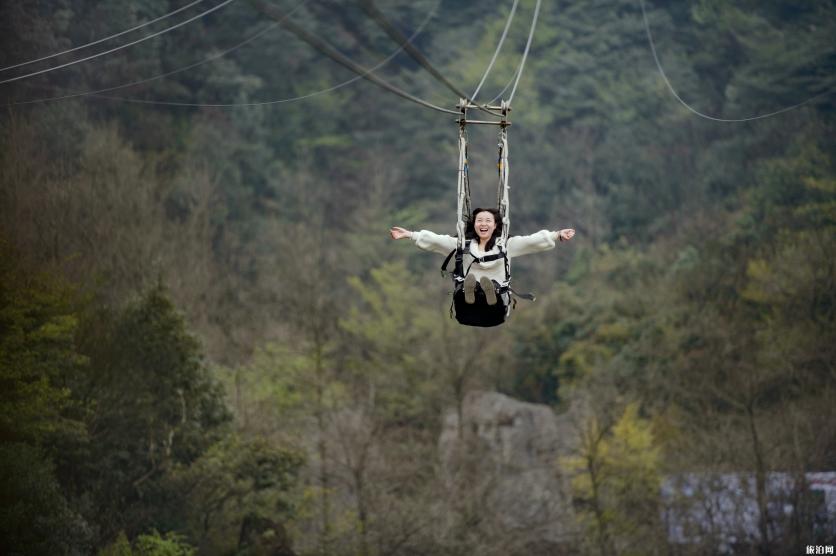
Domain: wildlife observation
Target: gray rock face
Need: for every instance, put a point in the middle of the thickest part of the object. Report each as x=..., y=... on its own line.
x=505, y=452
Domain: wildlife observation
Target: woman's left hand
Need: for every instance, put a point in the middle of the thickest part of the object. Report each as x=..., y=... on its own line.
x=399, y=233
x=565, y=234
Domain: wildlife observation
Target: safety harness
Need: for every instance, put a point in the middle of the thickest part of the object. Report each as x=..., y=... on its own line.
x=480, y=313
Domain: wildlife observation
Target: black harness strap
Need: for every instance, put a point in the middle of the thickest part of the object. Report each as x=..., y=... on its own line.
x=526, y=296
x=458, y=269
x=459, y=273
x=446, y=262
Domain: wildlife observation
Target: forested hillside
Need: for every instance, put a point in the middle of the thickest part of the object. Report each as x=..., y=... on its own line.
x=209, y=344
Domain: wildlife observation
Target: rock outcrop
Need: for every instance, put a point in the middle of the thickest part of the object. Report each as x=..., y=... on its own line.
x=504, y=453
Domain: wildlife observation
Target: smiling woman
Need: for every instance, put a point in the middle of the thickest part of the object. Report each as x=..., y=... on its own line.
x=485, y=259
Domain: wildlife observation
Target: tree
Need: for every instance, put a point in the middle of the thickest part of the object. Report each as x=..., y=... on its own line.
x=149, y=544
x=236, y=484
x=615, y=482
x=39, y=362
x=36, y=517
x=155, y=407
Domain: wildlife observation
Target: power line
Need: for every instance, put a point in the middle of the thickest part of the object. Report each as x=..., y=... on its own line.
x=527, y=48
x=284, y=100
x=143, y=39
x=162, y=75
x=119, y=34
x=338, y=57
x=396, y=35
x=498, y=48
x=694, y=110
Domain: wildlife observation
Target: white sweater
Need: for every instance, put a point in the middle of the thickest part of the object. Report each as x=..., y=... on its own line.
x=495, y=270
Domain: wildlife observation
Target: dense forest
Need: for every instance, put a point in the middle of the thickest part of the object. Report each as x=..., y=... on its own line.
x=210, y=345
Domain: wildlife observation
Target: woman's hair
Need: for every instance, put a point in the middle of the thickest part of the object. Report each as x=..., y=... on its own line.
x=470, y=232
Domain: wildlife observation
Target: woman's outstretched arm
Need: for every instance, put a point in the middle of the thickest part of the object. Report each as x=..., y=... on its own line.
x=425, y=239
x=537, y=242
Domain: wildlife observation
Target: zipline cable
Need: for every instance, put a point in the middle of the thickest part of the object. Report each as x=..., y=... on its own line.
x=338, y=57
x=99, y=41
x=527, y=48
x=277, y=101
x=396, y=35
x=143, y=39
x=505, y=88
x=162, y=75
x=697, y=112
x=514, y=76
x=498, y=48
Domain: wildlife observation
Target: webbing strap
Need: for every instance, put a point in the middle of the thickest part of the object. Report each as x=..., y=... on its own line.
x=504, y=190
x=485, y=259
x=489, y=258
x=526, y=296
x=463, y=182
x=446, y=262
x=460, y=258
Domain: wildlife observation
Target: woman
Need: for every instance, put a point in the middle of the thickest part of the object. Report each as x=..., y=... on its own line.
x=486, y=226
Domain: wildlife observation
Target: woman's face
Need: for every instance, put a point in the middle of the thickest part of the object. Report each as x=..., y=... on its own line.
x=484, y=225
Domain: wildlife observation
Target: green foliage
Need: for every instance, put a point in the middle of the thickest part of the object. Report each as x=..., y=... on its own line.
x=615, y=482
x=140, y=390
x=38, y=355
x=35, y=517
x=119, y=547
x=281, y=383
x=156, y=407
x=394, y=330
x=170, y=544
x=585, y=325
x=235, y=480
x=158, y=374
x=150, y=544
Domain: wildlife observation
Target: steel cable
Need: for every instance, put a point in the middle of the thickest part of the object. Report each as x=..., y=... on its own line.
x=697, y=112
x=338, y=57
x=143, y=39
x=498, y=48
x=527, y=48
x=99, y=41
x=505, y=88
x=396, y=35
x=415, y=33
x=162, y=75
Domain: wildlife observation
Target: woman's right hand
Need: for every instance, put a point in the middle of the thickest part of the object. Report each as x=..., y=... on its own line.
x=399, y=233
x=566, y=235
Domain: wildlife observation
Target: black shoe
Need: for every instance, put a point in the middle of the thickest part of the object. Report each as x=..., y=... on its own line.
x=470, y=289
x=488, y=288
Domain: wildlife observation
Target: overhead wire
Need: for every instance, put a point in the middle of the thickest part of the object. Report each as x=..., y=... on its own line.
x=340, y=58
x=386, y=60
x=162, y=75
x=143, y=39
x=527, y=48
x=505, y=88
x=320, y=45
x=498, y=48
x=517, y=72
x=396, y=35
x=697, y=112
x=99, y=41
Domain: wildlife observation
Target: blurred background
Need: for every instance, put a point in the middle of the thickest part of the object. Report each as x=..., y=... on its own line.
x=210, y=345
